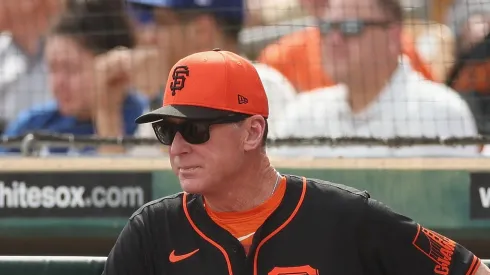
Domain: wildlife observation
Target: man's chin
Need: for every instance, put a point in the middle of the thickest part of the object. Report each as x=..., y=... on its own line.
x=65, y=111
x=337, y=75
x=72, y=112
x=192, y=186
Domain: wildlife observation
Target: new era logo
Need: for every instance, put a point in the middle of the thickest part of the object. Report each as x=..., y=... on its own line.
x=242, y=99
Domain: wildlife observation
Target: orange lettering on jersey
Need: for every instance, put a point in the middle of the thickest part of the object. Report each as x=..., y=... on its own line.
x=295, y=270
x=441, y=269
x=437, y=247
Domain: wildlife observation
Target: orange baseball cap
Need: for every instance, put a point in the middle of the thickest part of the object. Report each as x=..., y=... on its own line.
x=211, y=85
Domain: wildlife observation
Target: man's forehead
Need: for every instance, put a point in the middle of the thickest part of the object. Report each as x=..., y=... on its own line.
x=58, y=50
x=352, y=9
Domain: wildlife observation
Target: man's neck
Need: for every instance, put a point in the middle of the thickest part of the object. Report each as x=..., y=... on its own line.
x=250, y=189
x=364, y=91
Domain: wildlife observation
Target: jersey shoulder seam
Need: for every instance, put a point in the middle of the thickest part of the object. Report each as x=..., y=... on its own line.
x=363, y=193
x=153, y=202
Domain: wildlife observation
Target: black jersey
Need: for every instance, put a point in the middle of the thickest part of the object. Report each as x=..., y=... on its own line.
x=319, y=228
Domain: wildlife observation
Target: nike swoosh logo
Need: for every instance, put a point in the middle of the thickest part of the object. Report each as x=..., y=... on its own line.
x=177, y=258
x=245, y=237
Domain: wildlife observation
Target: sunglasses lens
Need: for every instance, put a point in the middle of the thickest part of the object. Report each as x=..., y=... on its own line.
x=195, y=132
x=351, y=27
x=165, y=132
x=325, y=27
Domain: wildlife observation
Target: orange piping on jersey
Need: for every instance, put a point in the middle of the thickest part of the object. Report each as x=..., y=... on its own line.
x=300, y=202
x=223, y=251
x=474, y=266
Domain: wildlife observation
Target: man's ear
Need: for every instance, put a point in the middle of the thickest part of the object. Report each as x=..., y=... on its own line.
x=254, y=127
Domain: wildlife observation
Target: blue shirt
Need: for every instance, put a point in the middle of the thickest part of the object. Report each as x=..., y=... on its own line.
x=46, y=118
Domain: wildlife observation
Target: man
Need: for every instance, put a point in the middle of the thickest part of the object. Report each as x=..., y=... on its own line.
x=238, y=215
x=188, y=26
x=23, y=81
x=296, y=55
x=470, y=21
x=93, y=93
x=381, y=95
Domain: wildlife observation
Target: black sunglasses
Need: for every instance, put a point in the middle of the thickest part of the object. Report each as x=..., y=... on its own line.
x=350, y=27
x=193, y=131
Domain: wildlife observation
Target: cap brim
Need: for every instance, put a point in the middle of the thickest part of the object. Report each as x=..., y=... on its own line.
x=181, y=111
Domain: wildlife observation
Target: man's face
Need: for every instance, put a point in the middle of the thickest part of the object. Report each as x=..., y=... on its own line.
x=474, y=31
x=356, y=37
x=201, y=167
x=70, y=73
x=314, y=7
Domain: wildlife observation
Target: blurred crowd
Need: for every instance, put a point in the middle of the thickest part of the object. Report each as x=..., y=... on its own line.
x=332, y=68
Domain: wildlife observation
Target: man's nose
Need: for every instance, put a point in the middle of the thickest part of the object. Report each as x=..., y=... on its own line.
x=57, y=81
x=335, y=37
x=179, y=146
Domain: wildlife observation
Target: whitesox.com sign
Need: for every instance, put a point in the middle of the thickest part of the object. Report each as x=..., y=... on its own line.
x=18, y=195
x=480, y=195
x=73, y=194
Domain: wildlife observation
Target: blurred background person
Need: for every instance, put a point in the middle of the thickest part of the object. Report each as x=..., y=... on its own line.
x=298, y=55
x=23, y=25
x=426, y=44
x=470, y=75
x=147, y=32
x=383, y=95
x=184, y=27
x=92, y=91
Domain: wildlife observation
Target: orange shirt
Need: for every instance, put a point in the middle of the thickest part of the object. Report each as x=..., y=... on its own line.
x=242, y=225
x=297, y=57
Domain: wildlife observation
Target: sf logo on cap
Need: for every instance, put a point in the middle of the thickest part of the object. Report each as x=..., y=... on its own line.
x=179, y=76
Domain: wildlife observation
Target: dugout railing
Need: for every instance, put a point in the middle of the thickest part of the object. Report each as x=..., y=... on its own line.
x=59, y=265
x=31, y=143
